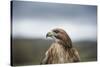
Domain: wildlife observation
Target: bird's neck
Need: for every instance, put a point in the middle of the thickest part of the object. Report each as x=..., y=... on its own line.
x=66, y=44
x=55, y=39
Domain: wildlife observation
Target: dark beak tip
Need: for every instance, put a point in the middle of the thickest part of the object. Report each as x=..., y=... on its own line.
x=46, y=35
x=49, y=34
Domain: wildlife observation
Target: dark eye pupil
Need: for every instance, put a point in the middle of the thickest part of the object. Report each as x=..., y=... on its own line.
x=56, y=31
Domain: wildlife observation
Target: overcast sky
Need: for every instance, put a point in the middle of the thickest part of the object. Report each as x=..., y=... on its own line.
x=35, y=19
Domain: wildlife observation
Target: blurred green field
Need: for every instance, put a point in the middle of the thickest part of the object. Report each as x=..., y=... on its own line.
x=31, y=51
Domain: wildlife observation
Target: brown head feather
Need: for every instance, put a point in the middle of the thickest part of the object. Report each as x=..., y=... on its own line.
x=63, y=38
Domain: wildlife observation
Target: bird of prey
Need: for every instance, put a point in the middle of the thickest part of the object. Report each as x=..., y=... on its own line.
x=61, y=50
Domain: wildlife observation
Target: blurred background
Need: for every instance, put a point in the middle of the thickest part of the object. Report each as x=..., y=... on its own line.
x=32, y=20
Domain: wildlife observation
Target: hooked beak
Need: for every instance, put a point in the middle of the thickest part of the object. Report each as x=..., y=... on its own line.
x=50, y=34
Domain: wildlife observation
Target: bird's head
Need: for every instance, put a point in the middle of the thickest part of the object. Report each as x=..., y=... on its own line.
x=56, y=33
x=61, y=36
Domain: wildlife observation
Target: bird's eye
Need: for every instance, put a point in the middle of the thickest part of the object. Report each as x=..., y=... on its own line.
x=56, y=31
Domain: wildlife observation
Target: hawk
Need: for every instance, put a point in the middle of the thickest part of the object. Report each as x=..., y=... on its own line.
x=61, y=50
